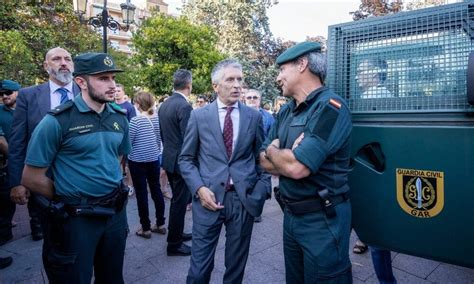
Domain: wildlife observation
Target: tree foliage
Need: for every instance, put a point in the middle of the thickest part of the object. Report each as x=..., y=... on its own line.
x=419, y=4
x=164, y=44
x=369, y=8
x=28, y=31
x=376, y=8
x=244, y=33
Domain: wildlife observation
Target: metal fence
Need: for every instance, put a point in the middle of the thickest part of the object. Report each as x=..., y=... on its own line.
x=408, y=62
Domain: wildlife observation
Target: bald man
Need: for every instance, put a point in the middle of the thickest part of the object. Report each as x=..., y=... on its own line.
x=32, y=105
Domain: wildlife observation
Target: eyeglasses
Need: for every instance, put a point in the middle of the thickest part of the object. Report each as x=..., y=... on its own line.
x=6, y=93
x=252, y=98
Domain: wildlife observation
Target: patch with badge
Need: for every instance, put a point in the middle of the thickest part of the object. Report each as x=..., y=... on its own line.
x=108, y=61
x=420, y=193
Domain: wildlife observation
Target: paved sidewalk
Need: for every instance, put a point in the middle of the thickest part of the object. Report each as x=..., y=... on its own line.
x=146, y=260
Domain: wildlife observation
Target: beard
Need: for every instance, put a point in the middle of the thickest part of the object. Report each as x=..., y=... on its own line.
x=97, y=97
x=63, y=77
x=9, y=102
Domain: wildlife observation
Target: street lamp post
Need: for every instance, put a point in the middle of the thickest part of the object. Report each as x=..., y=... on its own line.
x=104, y=20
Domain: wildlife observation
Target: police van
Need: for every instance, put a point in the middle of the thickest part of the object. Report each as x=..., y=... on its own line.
x=409, y=81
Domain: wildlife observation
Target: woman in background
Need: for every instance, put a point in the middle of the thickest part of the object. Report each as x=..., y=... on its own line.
x=145, y=165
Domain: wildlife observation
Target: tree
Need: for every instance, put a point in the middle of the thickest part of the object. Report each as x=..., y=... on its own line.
x=28, y=31
x=164, y=44
x=244, y=33
x=419, y=4
x=376, y=8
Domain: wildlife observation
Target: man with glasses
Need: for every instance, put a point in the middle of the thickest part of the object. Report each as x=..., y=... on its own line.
x=8, y=93
x=201, y=101
x=253, y=100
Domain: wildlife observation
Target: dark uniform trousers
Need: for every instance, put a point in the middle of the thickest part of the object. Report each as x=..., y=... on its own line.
x=181, y=197
x=7, y=210
x=315, y=246
x=73, y=245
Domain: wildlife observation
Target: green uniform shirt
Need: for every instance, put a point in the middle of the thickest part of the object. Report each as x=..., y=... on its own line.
x=6, y=118
x=325, y=120
x=82, y=148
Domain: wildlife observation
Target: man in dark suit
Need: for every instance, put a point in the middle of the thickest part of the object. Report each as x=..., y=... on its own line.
x=174, y=116
x=220, y=164
x=32, y=105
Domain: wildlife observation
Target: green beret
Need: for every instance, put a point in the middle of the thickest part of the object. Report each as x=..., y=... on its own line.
x=296, y=51
x=94, y=63
x=9, y=85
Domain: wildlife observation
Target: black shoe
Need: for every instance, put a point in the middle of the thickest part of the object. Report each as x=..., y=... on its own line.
x=187, y=237
x=37, y=236
x=5, y=262
x=183, y=250
x=5, y=240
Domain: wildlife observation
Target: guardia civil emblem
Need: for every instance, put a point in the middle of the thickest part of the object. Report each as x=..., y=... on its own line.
x=108, y=61
x=420, y=193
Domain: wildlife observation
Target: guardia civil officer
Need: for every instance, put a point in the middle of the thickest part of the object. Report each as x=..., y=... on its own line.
x=8, y=93
x=73, y=164
x=309, y=147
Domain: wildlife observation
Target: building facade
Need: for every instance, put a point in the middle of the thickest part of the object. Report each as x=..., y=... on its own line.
x=122, y=40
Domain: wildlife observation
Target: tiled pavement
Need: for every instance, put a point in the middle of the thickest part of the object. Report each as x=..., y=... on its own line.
x=146, y=260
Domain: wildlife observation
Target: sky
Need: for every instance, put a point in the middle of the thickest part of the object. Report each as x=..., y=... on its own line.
x=296, y=19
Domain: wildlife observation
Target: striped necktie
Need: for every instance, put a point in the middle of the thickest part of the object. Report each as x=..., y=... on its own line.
x=64, y=97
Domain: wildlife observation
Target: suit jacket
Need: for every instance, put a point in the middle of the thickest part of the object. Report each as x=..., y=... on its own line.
x=174, y=115
x=204, y=161
x=32, y=104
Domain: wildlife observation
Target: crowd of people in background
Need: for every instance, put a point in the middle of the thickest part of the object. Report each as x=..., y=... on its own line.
x=79, y=147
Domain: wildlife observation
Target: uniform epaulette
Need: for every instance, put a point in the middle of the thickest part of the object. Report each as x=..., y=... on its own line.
x=61, y=108
x=117, y=108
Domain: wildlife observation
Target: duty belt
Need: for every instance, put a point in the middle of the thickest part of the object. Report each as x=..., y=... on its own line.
x=107, y=205
x=314, y=205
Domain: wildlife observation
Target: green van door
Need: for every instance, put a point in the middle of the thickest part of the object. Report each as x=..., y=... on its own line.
x=412, y=178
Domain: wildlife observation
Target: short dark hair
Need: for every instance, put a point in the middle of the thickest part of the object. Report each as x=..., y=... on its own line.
x=182, y=78
x=203, y=97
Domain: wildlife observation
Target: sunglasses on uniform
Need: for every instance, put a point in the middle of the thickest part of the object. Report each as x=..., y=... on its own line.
x=5, y=93
x=252, y=98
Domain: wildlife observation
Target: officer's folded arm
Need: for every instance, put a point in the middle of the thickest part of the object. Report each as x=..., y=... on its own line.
x=35, y=179
x=267, y=165
x=285, y=163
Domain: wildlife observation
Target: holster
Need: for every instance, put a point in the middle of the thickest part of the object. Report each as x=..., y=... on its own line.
x=276, y=192
x=115, y=200
x=51, y=208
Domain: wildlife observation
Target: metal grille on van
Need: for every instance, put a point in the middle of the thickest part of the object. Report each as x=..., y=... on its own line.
x=408, y=62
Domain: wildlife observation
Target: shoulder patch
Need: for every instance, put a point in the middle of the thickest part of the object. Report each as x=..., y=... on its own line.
x=61, y=108
x=118, y=109
x=335, y=103
x=327, y=120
